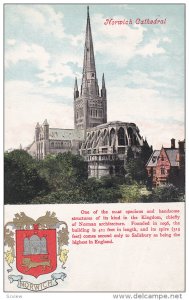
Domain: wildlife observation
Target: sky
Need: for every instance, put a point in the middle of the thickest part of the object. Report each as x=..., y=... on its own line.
x=144, y=67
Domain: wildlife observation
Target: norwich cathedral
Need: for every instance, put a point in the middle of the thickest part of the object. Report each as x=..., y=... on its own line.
x=104, y=145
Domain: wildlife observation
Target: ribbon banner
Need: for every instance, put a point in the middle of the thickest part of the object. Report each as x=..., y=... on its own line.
x=36, y=287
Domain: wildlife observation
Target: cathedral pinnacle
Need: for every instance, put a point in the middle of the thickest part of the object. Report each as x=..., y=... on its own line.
x=45, y=123
x=103, y=82
x=103, y=90
x=76, y=92
x=76, y=86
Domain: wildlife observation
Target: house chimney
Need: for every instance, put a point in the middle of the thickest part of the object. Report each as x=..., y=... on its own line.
x=172, y=143
x=181, y=147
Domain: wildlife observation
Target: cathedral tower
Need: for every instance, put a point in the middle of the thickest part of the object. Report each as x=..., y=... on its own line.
x=90, y=107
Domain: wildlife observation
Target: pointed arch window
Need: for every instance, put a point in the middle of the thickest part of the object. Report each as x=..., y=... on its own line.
x=112, y=137
x=121, y=137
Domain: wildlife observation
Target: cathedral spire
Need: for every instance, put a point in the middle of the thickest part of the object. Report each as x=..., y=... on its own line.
x=90, y=108
x=89, y=83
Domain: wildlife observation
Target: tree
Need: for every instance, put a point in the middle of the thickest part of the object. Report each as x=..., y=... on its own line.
x=22, y=181
x=136, y=166
x=136, y=170
x=91, y=190
x=130, y=154
x=146, y=152
x=21, y=157
x=131, y=193
x=64, y=171
x=166, y=193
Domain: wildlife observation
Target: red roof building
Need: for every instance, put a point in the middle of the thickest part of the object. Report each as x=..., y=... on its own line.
x=167, y=165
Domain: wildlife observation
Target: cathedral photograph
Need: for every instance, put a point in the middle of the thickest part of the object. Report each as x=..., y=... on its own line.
x=93, y=113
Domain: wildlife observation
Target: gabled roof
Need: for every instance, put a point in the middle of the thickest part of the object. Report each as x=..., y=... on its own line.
x=152, y=162
x=171, y=154
x=66, y=134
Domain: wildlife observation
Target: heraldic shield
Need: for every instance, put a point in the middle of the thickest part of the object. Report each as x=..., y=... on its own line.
x=36, y=251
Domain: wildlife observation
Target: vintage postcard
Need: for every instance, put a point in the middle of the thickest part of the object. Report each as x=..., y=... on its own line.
x=94, y=150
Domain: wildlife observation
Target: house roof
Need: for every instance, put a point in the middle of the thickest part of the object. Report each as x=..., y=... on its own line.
x=152, y=162
x=66, y=134
x=171, y=153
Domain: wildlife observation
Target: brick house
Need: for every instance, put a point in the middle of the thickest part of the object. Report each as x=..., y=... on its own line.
x=167, y=165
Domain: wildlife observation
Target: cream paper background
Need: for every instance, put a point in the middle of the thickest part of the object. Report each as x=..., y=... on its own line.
x=127, y=265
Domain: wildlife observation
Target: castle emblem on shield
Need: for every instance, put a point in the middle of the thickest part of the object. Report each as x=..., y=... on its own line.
x=36, y=248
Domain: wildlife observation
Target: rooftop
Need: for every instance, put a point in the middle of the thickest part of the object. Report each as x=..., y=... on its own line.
x=66, y=134
x=171, y=153
x=112, y=123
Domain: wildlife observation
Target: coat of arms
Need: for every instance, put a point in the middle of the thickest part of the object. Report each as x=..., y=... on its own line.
x=32, y=247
